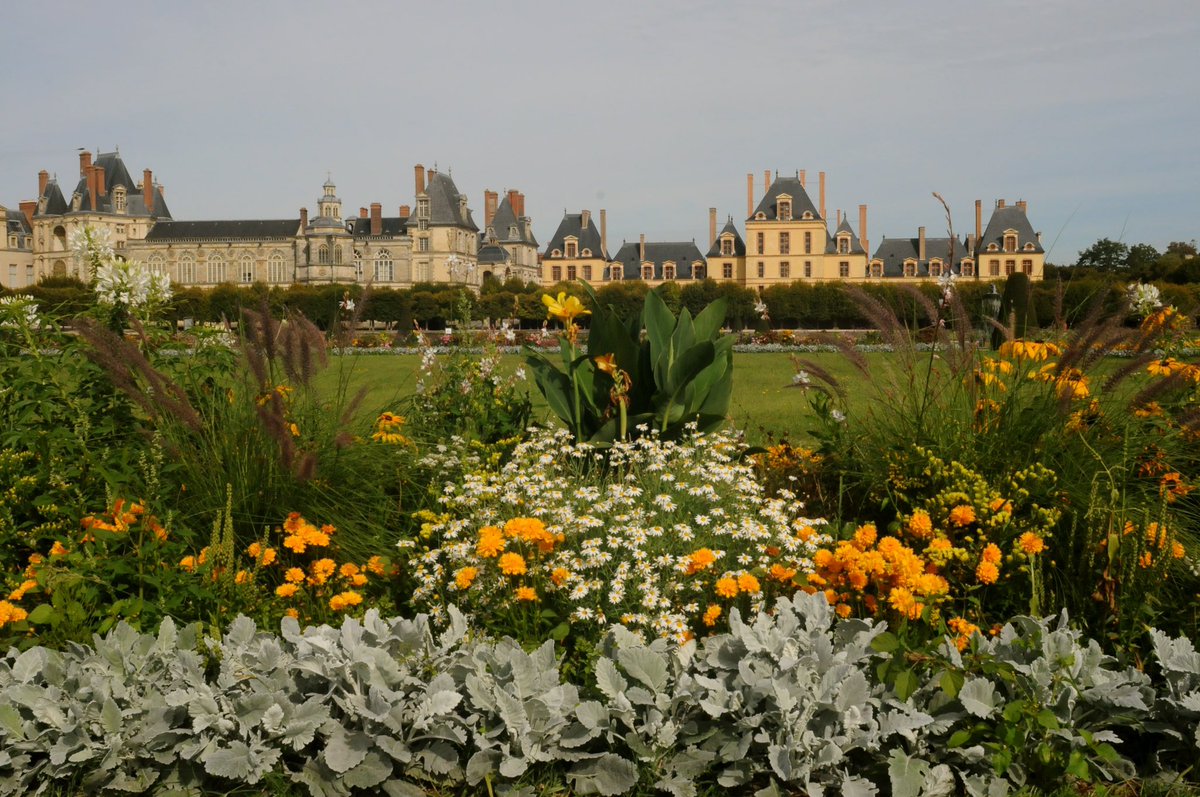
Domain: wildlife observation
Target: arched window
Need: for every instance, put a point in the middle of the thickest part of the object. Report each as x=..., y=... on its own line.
x=358, y=265
x=187, y=268
x=157, y=264
x=843, y=244
x=216, y=268
x=246, y=268
x=1010, y=242
x=967, y=269
x=935, y=268
x=277, y=268
x=337, y=255
x=384, y=268
x=323, y=255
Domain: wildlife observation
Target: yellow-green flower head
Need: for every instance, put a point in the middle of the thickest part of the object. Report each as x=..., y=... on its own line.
x=564, y=308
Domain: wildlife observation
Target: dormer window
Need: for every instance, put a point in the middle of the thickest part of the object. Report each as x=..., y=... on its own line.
x=572, y=249
x=423, y=208
x=615, y=272
x=669, y=271
x=647, y=272
x=760, y=216
x=843, y=244
x=876, y=269
x=910, y=268
x=512, y=232
x=119, y=199
x=556, y=253
x=807, y=215
x=935, y=268
x=727, y=246
x=785, y=208
x=697, y=271
x=967, y=269
x=992, y=247
x=1029, y=247
x=1010, y=242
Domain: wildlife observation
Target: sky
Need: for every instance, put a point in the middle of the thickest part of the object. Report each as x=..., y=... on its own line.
x=1089, y=110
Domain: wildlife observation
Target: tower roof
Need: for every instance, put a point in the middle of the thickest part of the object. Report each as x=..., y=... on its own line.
x=445, y=207
x=856, y=247
x=769, y=205
x=682, y=253
x=739, y=246
x=1009, y=217
x=588, y=237
x=505, y=219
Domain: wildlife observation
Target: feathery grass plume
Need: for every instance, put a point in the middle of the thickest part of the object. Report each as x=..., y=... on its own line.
x=830, y=381
x=303, y=348
x=258, y=344
x=924, y=302
x=963, y=355
x=1136, y=365
x=847, y=348
x=132, y=374
x=1161, y=387
x=881, y=317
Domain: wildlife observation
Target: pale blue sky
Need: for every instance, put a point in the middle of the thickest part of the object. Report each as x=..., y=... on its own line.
x=1089, y=110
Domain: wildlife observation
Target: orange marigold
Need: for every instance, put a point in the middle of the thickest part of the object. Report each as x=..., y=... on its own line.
x=962, y=515
x=526, y=594
x=320, y=570
x=294, y=575
x=727, y=587
x=491, y=542
x=865, y=536
x=465, y=576
x=701, y=559
x=749, y=584
x=711, y=614
x=843, y=610
x=782, y=574
x=1031, y=543
x=512, y=564
x=559, y=576
x=987, y=573
x=344, y=600
x=286, y=590
x=920, y=525
x=992, y=553
x=375, y=565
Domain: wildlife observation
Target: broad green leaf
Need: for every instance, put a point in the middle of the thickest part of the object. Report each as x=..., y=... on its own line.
x=610, y=774
x=645, y=665
x=978, y=697
x=885, y=642
x=233, y=762
x=345, y=749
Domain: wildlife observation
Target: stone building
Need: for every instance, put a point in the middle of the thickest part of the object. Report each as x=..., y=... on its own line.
x=577, y=250
x=657, y=262
x=16, y=247
x=507, y=246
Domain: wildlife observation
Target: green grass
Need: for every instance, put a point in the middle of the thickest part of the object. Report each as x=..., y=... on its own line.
x=764, y=404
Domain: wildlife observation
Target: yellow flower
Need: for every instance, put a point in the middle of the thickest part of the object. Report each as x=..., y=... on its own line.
x=527, y=594
x=465, y=576
x=188, y=563
x=512, y=564
x=286, y=590
x=782, y=574
x=748, y=584
x=564, y=308
x=294, y=575
x=700, y=560
x=901, y=599
x=11, y=614
x=321, y=570
x=348, y=570
x=294, y=429
x=865, y=536
x=491, y=542
x=57, y=549
x=375, y=565
x=991, y=553
x=27, y=585
x=358, y=580
x=711, y=614
x=559, y=576
x=920, y=525
x=293, y=613
x=727, y=587
x=962, y=515
x=1031, y=543
x=843, y=610
x=606, y=363
x=242, y=577
x=987, y=573
x=344, y=600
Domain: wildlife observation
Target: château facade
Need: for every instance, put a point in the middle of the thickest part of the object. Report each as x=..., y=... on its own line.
x=786, y=236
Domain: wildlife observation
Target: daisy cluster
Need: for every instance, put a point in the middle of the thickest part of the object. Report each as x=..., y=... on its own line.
x=661, y=536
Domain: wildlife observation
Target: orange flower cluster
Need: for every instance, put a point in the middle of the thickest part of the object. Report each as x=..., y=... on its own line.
x=532, y=540
x=1030, y=350
x=869, y=573
x=1160, y=543
x=301, y=534
x=963, y=631
x=121, y=519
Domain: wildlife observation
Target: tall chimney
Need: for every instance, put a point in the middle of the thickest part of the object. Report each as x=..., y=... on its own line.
x=585, y=219
x=519, y=211
x=376, y=218
x=822, y=196
x=405, y=211
x=862, y=229
x=766, y=180
x=27, y=209
x=838, y=213
x=920, y=244
x=1021, y=205
x=303, y=220
x=148, y=190
x=419, y=178
x=604, y=232
x=749, y=194
x=1000, y=204
x=362, y=213
x=85, y=160
x=100, y=189
x=712, y=227
x=978, y=221
x=804, y=178
x=490, y=201
x=91, y=185
x=43, y=181
x=642, y=248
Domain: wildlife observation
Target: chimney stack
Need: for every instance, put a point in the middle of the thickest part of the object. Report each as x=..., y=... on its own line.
x=405, y=211
x=490, y=202
x=91, y=185
x=822, y=196
x=303, y=220
x=838, y=215
x=862, y=229
x=804, y=178
x=100, y=189
x=1021, y=205
x=766, y=180
x=978, y=220
x=642, y=248
x=585, y=218
x=419, y=178
x=519, y=211
x=712, y=227
x=920, y=244
x=148, y=190
x=85, y=160
x=376, y=218
x=604, y=232
x=43, y=181
x=749, y=194
x=362, y=213
x=27, y=209
x=1000, y=204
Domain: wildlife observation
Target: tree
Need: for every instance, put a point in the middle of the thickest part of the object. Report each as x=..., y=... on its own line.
x=1104, y=255
x=1140, y=261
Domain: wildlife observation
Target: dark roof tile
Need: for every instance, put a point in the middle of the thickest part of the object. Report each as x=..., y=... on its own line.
x=683, y=254
x=228, y=230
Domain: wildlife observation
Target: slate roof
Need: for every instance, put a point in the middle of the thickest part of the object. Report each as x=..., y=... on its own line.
x=791, y=186
x=56, y=205
x=115, y=174
x=505, y=219
x=682, y=254
x=739, y=246
x=15, y=222
x=572, y=224
x=894, y=251
x=856, y=247
x=445, y=210
x=1010, y=217
x=236, y=230
x=493, y=254
x=392, y=227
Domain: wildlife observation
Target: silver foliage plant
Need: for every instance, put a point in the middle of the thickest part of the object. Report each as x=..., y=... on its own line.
x=784, y=700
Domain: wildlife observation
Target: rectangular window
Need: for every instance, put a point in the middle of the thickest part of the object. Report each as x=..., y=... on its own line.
x=422, y=244
x=556, y=273
x=727, y=270
x=571, y=272
x=1009, y=267
x=762, y=269
x=844, y=269
x=808, y=268
x=587, y=272
x=785, y=270
x=785, y=243
x=1027, y=266
x=994, y=268
x=760, y=239
x=808, y=243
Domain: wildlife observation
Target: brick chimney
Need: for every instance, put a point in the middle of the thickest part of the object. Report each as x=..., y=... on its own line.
x=362, y=213
x=642, y=248
x=862, y=228
x=490, y=201
x=838, y=218
x=978, y=220
x=920, y=244
x=27, y=210
x=1021, y=205
x=519, y=211
x=803, y=178
x=712, y=227
x=376, y=218
x=766, y=180
x=100, y=189
x=749, y=194
x=303, y=220
x=822, y=195
x=148, y=190
x=419, y=178
x=43, y=181
x=584, y=219
x=85, y=160
x=604, y=231
x=405, y=211
x=91, y=185
x=1000, y=204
